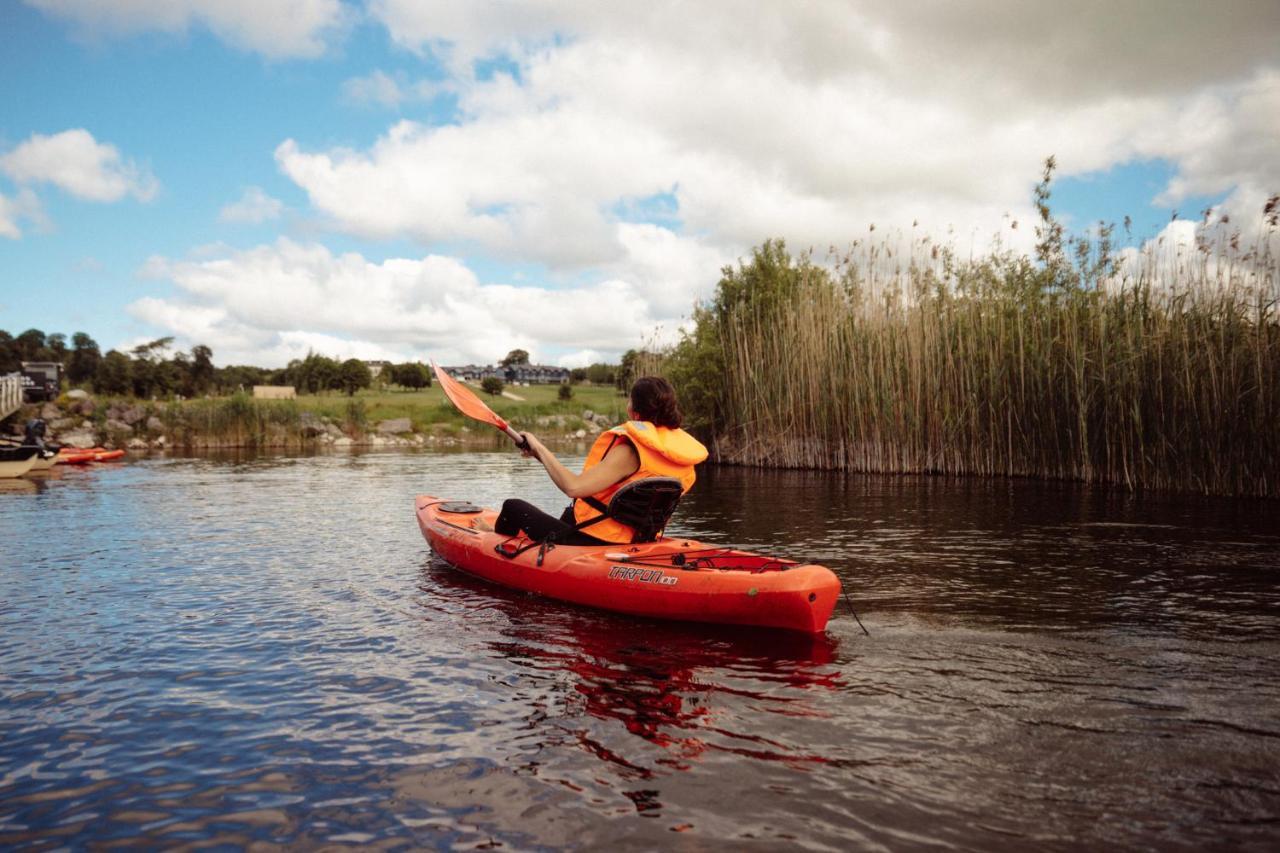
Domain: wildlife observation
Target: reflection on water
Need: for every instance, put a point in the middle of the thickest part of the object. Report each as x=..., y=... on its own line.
x=246, y=649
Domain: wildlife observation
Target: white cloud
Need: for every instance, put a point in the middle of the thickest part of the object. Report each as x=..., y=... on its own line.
x=1224, y=138
x=277, y=29
x=23, y=206
x=377, y=87
x=253, y=207
x=260, y=305
x=387, y=90
x=78, y=164
x=583, y=358
x=804, y=122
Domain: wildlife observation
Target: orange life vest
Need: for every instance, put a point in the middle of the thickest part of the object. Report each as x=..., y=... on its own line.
x=663, y=452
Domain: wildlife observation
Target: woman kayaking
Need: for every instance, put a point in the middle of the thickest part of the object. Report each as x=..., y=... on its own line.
x=650, y=445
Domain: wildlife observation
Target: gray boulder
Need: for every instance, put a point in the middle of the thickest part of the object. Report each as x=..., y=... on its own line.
x=78, y=394
x=395, y=426
x=310, y=425
x=118, y=426
x=154, y=424
x=50, y=411
x=133, y=415
x=82, y=438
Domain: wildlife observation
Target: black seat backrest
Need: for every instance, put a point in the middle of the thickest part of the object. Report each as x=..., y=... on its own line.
x=646, y=505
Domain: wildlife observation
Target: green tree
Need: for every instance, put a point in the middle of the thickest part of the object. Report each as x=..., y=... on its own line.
x=516, y=356
x=491, y=385
x=354, y=375
x=602, y=374
x=565, y=391
x=202, y=370
x=10, y=359
x=114, y=374
x=314, y=374
x=238, y=376
x=57, y=346
x=82, y=366
x=411, y=374
x=148, y=373
x=627, y=370
x=31, y=346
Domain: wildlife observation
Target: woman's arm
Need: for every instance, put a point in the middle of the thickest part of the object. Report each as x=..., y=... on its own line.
x=618, y=464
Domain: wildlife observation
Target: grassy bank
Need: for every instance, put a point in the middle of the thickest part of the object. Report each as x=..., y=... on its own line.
x=239, y=420
x=428, y=408
x=1153, y=370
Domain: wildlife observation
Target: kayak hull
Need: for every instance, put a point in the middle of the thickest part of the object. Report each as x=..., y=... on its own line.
x=676, y=579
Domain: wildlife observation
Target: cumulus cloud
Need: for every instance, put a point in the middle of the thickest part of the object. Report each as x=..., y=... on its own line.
x=253, y=207
x=806, y=122
x=265, y=303
x=641, y=147
x=78, y=164
x=277, y=29
x=983, y=50
x=23, y=206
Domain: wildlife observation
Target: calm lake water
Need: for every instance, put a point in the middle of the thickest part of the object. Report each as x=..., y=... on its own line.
x=262, y=649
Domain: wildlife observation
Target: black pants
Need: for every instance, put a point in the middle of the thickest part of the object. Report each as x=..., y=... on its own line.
x=520, y=515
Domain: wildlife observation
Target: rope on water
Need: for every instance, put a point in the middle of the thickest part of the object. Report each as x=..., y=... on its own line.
x=849, y=602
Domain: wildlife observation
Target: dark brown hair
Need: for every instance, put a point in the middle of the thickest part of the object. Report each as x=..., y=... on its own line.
x=654, y=400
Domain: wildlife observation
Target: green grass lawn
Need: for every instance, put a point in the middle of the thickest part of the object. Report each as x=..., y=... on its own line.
x=429, y=406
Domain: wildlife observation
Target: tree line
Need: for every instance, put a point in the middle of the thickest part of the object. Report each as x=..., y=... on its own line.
x=155, y=369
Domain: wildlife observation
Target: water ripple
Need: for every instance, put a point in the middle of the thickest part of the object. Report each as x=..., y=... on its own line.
x=241, y=650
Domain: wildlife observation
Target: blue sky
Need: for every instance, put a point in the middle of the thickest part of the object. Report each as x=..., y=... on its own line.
x=459, y=181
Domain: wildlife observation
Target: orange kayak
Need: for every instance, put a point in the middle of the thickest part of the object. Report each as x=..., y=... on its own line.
x=81, y=455
x=678, y=579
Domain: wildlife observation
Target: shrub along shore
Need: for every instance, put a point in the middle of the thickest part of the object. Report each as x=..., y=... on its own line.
x=1155, y=369
x=367, y=419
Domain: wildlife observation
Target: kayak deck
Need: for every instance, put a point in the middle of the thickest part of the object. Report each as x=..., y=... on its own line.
x=673, y=578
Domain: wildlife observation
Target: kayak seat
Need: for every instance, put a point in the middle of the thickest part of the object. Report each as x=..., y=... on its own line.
x=645, y=506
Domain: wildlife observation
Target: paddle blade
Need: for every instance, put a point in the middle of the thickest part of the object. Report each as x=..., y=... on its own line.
x=465, y=400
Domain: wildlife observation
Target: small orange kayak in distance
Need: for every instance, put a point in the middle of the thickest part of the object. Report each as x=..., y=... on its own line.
x=672, y=578
x=83, y=455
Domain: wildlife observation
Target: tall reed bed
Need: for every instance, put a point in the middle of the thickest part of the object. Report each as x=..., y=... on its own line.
x=235, y=421
x=1157, y=368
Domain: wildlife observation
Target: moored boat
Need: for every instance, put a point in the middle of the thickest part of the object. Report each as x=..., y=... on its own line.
x=16, y=461
x=45, y=460
x=671, y=578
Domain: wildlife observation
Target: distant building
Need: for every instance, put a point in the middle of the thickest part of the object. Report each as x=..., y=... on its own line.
x=376, y=367
x=274, y=392
x=533, y=374
x=536, y=374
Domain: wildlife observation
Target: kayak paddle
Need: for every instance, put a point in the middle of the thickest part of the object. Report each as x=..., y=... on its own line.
x=470, y=405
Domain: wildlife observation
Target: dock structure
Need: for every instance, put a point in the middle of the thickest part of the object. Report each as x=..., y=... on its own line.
x=10, y=394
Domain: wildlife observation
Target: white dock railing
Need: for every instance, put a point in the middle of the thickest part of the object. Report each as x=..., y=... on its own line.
x=10, y=394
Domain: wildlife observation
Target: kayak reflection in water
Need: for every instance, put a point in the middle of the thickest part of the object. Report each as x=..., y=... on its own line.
x=629, y=485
